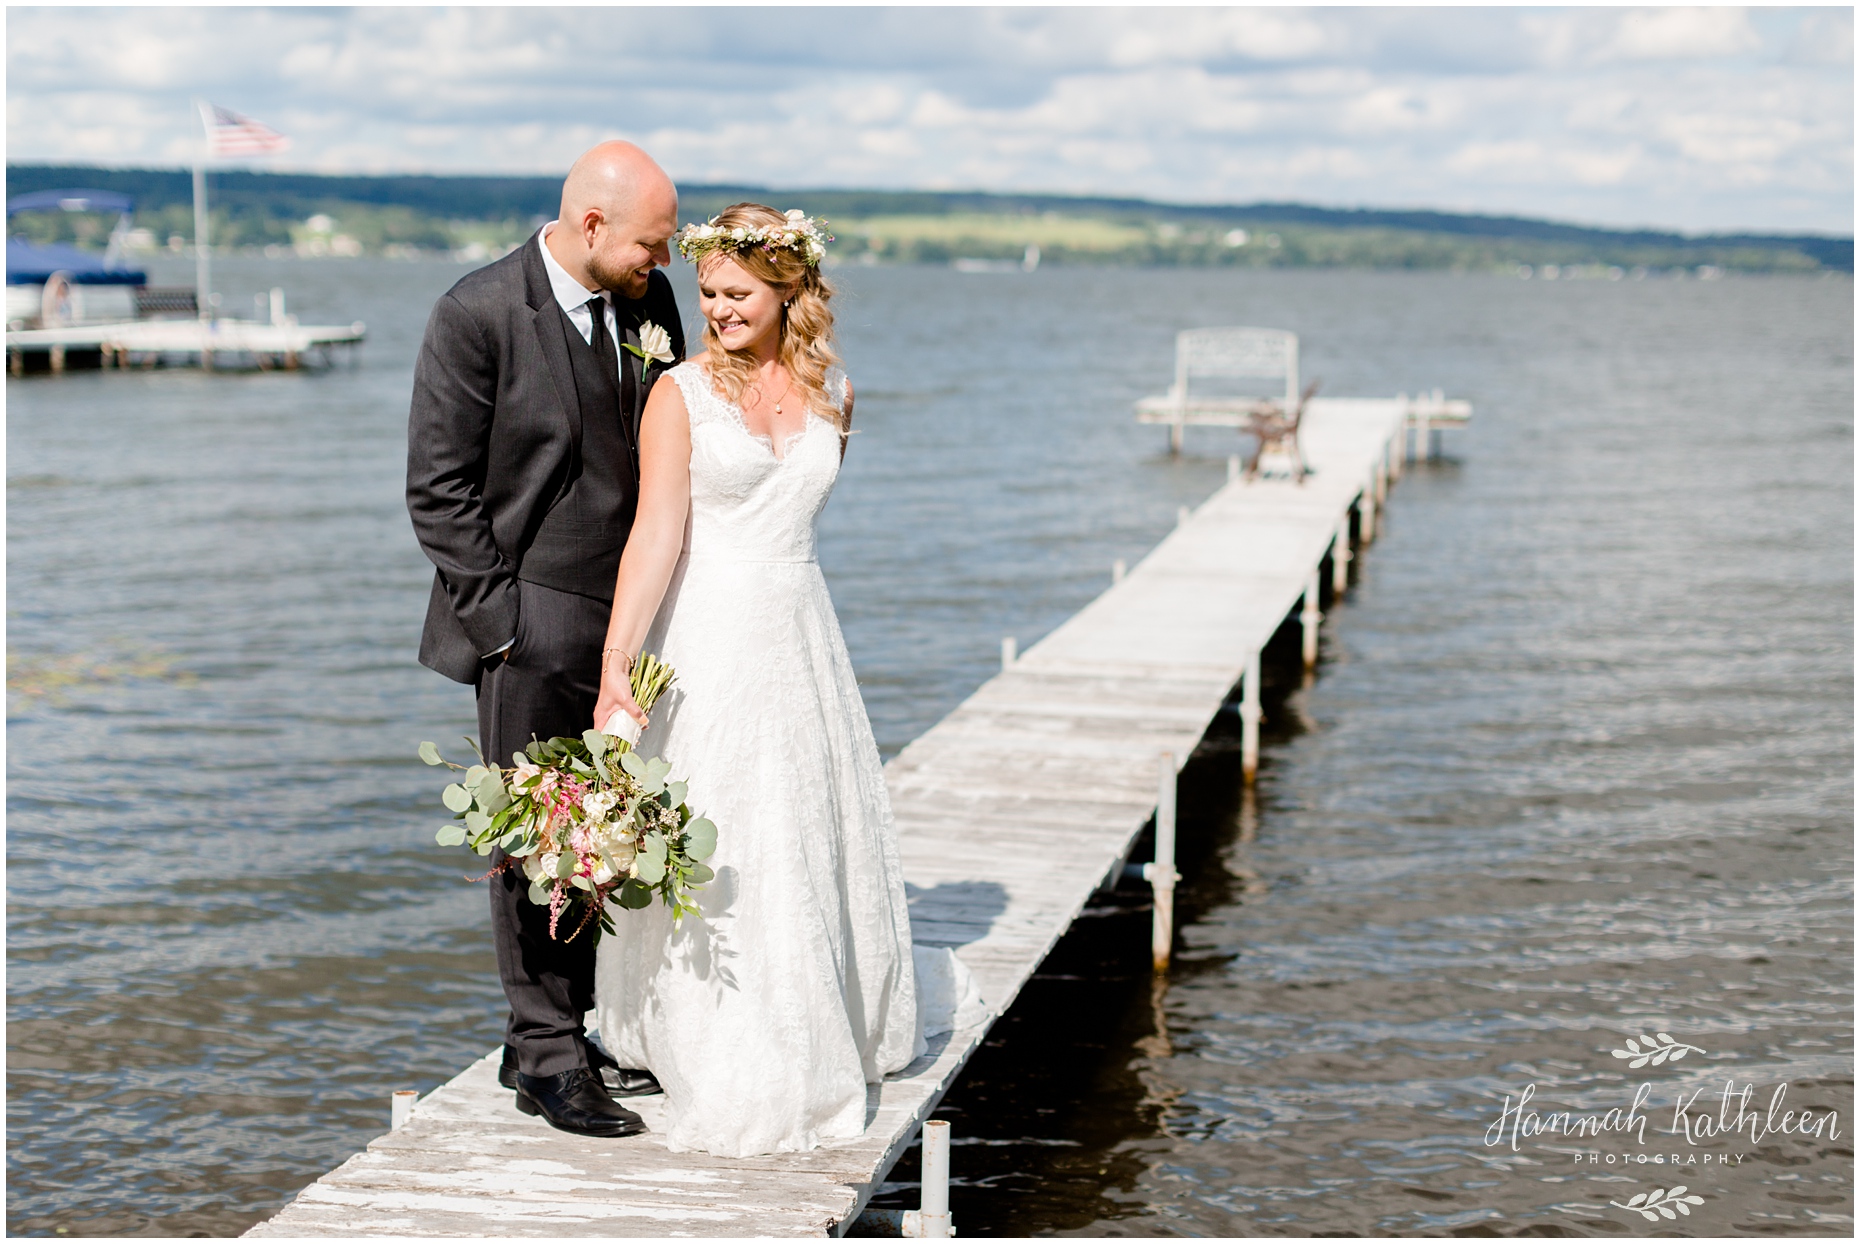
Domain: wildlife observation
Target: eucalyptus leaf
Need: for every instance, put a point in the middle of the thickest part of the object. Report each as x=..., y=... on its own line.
x=581, y=883
x=565, y=865
x=482, y=848
x=596, y=742
x=595, y=754
x=456, y=797
x=677, y=792
x=539, y=894
x=476, y=821
x=649, y=864
x=700, y=839
x=634, y=895
x=430, y=754
x=510, y=840
x=698, y=874
x=475, y=775
x=492, y=796
x=634, y=764
x=449, y=836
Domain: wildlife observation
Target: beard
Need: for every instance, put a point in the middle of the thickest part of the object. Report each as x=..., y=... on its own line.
x=627, y=282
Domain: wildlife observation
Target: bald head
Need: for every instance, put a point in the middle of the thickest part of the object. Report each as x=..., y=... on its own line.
x=619, y=211
x=616, y=178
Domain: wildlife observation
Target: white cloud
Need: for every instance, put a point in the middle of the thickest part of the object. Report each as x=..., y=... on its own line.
x=1682, y=34
x=1698, y=118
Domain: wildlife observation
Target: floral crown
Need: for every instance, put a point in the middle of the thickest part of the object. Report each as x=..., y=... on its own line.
x=800, y=233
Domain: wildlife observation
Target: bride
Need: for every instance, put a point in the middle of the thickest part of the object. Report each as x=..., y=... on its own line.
x=766, y=1019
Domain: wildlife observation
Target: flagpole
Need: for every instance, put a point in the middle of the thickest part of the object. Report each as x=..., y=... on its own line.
x=203, y=288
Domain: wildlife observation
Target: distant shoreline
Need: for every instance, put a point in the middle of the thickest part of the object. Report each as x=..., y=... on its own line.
x=1527, y=272
x=401, y=216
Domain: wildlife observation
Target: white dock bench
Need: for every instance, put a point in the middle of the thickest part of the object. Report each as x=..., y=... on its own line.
x=1011, y=812
x=1264, y=354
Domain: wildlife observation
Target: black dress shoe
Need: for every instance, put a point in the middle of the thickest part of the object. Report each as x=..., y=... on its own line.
x=617, y=1080
x=629, y=1082
x=575, y=1102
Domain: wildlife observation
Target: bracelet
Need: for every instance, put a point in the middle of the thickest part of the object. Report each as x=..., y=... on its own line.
x=607, y=652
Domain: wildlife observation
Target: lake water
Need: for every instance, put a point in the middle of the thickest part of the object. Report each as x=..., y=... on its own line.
x=1576, y=764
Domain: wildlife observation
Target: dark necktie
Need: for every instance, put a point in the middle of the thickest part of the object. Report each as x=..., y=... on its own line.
x=604, y=354
x=603, y=350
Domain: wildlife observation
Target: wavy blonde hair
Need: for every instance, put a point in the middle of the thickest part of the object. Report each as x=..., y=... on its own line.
x=807, y=321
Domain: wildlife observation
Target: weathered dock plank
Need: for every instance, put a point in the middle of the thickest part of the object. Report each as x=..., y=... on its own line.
x=1059, y=752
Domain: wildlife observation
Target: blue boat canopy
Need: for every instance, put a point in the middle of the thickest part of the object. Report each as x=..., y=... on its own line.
x=29, y=263
x=34, y=263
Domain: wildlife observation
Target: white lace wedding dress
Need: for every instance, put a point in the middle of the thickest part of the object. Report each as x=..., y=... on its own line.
x=766, y=1019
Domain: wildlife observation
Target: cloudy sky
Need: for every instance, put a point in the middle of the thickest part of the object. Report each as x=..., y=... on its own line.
x=1693, y=118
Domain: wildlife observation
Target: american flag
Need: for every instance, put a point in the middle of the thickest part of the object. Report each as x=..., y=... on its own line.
x=229, y=134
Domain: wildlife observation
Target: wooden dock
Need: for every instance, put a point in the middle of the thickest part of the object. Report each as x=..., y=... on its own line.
x=1012, y=811
x=283, y=344
x=1427, y=413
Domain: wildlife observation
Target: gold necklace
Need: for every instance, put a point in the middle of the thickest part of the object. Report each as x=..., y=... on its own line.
x=784, y=393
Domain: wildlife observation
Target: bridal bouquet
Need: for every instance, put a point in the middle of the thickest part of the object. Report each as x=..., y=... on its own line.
x=587, y=820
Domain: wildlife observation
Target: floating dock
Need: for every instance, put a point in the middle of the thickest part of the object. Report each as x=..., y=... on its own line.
x=1066, y=755
x=1427, y=413
x=147, y=343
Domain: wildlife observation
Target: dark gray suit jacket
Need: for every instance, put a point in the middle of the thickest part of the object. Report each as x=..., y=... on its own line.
x=493, y=440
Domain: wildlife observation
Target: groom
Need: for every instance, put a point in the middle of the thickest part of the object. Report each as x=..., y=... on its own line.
x=522, y=479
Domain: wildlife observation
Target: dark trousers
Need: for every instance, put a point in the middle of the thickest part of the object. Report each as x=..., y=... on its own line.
x=545, y=688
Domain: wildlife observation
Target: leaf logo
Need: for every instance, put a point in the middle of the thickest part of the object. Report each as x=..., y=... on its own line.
x=1651, y=1051
x=1661, y=1202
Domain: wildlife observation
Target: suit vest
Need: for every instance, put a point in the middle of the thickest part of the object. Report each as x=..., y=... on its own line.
x=577, y=548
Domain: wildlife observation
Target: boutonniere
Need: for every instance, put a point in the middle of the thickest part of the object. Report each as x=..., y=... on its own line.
x=654, y=343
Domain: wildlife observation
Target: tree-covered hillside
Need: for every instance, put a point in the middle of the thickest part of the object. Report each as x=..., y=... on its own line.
x=408, y=214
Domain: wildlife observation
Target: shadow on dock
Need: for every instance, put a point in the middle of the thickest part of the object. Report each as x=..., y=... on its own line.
x=954, y=913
